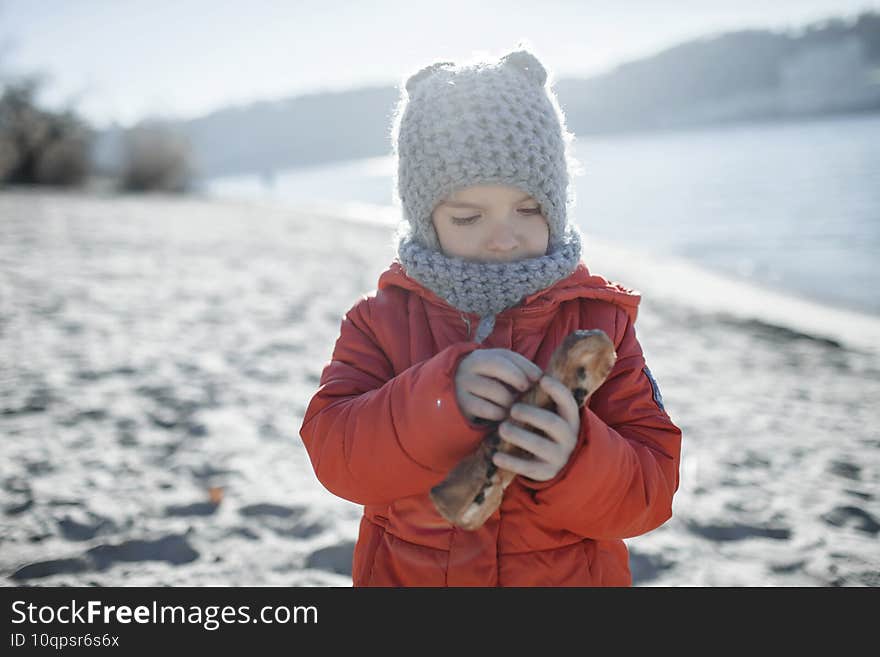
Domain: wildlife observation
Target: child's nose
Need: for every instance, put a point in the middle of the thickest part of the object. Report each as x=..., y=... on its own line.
x=502, y=237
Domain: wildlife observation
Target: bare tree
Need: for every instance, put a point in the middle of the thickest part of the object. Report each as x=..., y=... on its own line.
x=156, y=158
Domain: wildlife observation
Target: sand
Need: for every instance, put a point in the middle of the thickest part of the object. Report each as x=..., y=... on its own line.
x=158, y=354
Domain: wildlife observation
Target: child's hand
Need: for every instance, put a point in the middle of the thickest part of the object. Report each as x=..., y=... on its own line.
x=480, y=382
x=551, y=453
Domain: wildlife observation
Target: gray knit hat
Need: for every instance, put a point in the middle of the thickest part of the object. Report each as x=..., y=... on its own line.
x=492, y=122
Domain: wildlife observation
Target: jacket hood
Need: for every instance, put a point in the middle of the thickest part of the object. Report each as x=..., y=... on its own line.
x=579, y=284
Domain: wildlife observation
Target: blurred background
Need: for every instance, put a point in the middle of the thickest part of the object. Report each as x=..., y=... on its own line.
x=774, y=106
x=173, y=179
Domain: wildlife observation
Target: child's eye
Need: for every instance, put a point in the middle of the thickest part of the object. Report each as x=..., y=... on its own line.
x=462, y=221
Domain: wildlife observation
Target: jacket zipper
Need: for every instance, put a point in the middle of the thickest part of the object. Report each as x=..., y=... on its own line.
x=467, y=322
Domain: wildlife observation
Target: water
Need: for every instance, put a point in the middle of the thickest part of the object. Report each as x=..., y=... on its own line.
x=790, y=206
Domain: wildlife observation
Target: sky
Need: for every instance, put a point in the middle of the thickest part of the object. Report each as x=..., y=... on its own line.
x=122, y=61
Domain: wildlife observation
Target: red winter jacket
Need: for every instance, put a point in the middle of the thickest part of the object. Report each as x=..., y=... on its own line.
x=384, y=427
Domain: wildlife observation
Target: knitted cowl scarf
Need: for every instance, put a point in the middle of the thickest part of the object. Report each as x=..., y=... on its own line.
x=487, y=288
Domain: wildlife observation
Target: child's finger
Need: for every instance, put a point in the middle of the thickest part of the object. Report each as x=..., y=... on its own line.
x=482, y=408
x=555, y=426
x=532, y=371
x=541, y=447
x=566, y=405
x=537, y=470
x=494, y=364
x=489, y=389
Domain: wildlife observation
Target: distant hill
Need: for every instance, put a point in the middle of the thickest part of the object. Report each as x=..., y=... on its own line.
x=828, y=67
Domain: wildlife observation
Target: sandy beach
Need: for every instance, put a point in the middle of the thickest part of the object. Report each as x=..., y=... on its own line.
x=158, y=354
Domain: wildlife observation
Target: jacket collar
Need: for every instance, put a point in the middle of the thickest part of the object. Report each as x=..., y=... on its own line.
x=579, y=284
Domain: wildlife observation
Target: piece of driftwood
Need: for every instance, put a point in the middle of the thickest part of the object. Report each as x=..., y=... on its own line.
x=473, y=489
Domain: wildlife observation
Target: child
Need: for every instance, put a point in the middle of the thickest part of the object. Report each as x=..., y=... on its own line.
x=487, y=283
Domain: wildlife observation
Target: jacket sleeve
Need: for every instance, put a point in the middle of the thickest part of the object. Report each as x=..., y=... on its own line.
x=373, y=436
x=624, y=471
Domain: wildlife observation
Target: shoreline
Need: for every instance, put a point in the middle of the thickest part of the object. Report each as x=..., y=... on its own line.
x=699, y=288
x=693, y=286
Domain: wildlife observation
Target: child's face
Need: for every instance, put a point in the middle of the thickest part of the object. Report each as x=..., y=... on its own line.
x=491, y=223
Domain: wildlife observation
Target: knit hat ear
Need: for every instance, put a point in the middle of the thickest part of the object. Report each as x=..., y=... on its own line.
x=416, y=78
x=528, y=64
